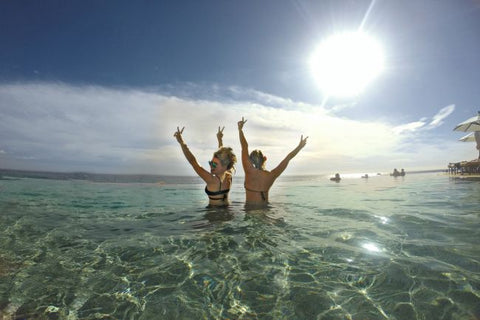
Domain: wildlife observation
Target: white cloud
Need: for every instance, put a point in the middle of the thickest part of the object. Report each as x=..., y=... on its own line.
x=437, y=120
x=441, y=115
x=91, y=128
x=411, y=127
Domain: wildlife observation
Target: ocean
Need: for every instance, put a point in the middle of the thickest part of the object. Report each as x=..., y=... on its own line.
x=378, y=248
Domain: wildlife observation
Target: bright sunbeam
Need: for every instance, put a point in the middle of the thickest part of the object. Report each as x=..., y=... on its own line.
x=345, y=63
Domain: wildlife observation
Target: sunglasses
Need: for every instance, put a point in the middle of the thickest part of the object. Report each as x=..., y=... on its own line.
x=212, y=164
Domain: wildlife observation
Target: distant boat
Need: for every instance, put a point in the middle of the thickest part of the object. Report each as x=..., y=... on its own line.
x=336, y=178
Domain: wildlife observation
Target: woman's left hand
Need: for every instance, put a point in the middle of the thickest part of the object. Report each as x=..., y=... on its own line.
x=303, y=141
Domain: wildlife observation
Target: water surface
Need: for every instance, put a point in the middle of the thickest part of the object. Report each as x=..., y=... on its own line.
x=378, y=248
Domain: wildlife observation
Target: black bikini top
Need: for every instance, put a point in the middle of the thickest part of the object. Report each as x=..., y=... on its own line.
x=217, y=193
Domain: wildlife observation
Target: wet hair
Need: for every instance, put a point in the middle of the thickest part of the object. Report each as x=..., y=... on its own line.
x=258, y=160
x=226, y=157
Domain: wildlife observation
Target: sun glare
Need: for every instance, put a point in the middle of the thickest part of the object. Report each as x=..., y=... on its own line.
x=345, y=63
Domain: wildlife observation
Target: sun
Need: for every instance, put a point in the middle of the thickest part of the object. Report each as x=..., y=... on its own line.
x=344, y=64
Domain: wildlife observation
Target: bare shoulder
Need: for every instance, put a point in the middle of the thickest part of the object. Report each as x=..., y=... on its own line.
x=267, y=177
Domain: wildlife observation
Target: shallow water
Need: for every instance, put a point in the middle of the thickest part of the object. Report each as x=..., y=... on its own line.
x=378, y=248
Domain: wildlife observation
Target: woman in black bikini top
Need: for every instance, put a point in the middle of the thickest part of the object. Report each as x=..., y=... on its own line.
x=221, y=167
x=258, y=180
x=212, y=195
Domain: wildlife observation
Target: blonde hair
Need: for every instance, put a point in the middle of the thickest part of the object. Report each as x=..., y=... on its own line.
x=226, y=157
x=258, y=160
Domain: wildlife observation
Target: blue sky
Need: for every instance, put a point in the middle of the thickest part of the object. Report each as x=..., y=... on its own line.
x=101, y=86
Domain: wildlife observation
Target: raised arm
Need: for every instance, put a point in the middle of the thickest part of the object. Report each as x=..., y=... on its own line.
x=220, y=137
x=243, y=142
x=283, y=165
x=204, y=174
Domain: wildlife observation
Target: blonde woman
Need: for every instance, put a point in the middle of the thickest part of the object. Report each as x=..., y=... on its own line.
x=258, y=180
x=219, y=179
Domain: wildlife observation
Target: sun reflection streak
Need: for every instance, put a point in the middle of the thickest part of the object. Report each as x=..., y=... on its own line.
x=383, y=220
x=371, y=247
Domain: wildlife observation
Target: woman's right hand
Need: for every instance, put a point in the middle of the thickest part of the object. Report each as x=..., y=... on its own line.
x=241, y=123
x=178, y=135
x=220, y=133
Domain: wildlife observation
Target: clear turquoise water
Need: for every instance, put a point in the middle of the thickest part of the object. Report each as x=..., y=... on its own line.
x=382, y=248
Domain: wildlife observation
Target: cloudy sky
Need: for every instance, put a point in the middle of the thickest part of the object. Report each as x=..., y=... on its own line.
x=100, y=86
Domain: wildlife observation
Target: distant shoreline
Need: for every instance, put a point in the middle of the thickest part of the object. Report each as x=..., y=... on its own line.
x=95, y=177
x=426, y=171
x=124, y=178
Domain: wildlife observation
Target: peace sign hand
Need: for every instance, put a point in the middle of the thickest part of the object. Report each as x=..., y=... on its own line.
x=241, y=123
x=303, y=141
x=178, y=135
x=220, y=133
